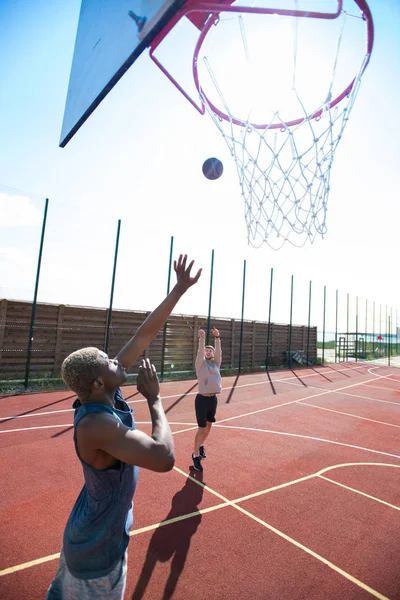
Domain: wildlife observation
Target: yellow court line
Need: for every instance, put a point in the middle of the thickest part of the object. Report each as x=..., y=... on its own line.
x=359, y=492
x=31, y=563
x=340, y=412
x=295, y=543
x=202, y=511
x=307, y=477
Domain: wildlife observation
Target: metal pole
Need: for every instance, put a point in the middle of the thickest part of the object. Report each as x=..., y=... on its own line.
x=290, y=322
x=241, y=322
x=109, y=317
x=210, y=297
x=366, y=327
x=389, y=342
x=356, y=344
x=309, y=325
x=373, y=327
x=323, y=328
x=33, y=313
x=347, y=328
x=336, y=324
x=165, y=325
x=269, y=319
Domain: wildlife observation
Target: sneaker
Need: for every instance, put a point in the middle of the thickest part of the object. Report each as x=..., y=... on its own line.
x=202, y=452
x=196, y=463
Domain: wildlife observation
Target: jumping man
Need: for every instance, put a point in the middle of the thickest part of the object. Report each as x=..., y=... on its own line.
x=208, y=362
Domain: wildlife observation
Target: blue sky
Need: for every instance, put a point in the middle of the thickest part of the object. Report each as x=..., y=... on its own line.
x=138, y=158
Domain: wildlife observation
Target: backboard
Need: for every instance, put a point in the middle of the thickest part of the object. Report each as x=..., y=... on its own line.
x=111, y=36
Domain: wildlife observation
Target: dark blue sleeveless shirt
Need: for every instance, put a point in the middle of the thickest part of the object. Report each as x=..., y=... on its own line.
x=97, y=532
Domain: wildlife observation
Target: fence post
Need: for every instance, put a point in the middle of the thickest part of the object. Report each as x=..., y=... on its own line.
x=309, y=325
x=323, y=328
x=356, y=344
x=33, y=314
x=165, y=325
x=336, y=324
x=109, y=314
x=210, y=297
x=3, y=317
x=290, y=322
x=269, y=319
x=241, y=321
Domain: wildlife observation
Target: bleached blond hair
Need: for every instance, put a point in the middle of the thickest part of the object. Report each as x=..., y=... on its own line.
x=80, y=369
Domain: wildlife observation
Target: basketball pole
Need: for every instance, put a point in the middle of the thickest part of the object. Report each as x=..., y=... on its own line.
x=210, y=297
x=165, y=325
x=109, y=315
x=241, y=320
x=33, y=314
x=269, y=319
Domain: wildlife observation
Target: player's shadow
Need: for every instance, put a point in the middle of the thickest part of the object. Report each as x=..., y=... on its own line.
x=172, y=542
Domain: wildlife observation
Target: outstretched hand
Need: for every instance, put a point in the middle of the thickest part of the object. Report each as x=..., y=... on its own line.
x=215, y=332
x=184, y=279
x=201, y=333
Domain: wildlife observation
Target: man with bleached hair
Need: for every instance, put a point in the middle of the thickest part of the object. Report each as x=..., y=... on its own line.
x=93, y=561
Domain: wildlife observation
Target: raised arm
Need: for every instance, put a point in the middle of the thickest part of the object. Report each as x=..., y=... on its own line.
x=200, y=349
x=155, y=321
x=155, y=452
x=218, y=349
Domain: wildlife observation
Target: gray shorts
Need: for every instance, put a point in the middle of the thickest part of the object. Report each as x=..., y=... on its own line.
x=67, y=587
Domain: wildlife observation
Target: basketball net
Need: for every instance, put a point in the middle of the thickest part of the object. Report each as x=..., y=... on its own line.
x=279, y=84
x=283, y=166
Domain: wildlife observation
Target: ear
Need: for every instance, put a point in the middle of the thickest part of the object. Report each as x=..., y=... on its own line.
x=98, y=384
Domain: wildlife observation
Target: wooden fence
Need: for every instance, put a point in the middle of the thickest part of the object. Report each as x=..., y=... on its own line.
x=61, y=329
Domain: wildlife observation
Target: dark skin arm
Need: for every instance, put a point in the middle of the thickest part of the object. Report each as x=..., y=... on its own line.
x=103, y=441
x=154, y=322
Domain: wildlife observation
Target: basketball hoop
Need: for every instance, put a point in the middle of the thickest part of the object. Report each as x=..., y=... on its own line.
x=279, y=84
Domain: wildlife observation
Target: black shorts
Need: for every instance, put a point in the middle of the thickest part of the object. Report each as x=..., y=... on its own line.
x=205, y=407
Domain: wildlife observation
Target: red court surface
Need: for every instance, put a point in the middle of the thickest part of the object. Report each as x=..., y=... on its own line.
x=299, y=498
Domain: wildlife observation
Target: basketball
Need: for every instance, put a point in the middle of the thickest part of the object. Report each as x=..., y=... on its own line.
x=212, y=168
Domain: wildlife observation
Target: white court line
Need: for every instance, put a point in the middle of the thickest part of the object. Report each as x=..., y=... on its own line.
x=323, y=393
x=381, y=387
x=307, y=437
x=339, y=412
x=359, y=492
x=312, y=476
x=294, y=542
x=287, y=380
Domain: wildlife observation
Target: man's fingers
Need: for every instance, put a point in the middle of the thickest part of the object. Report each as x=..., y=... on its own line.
x=184, y=263
x=187, y=272
x=196, y=277
x=149, y=371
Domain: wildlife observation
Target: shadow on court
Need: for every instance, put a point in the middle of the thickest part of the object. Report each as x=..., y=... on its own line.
x=172, y=542
x=62, y=432
x=271, y=382
x=180, y=398
x=29, y=412
x=232, y=390
x=299, y=378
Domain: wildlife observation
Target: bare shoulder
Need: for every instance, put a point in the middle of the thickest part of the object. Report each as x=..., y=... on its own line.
x=98, y=425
